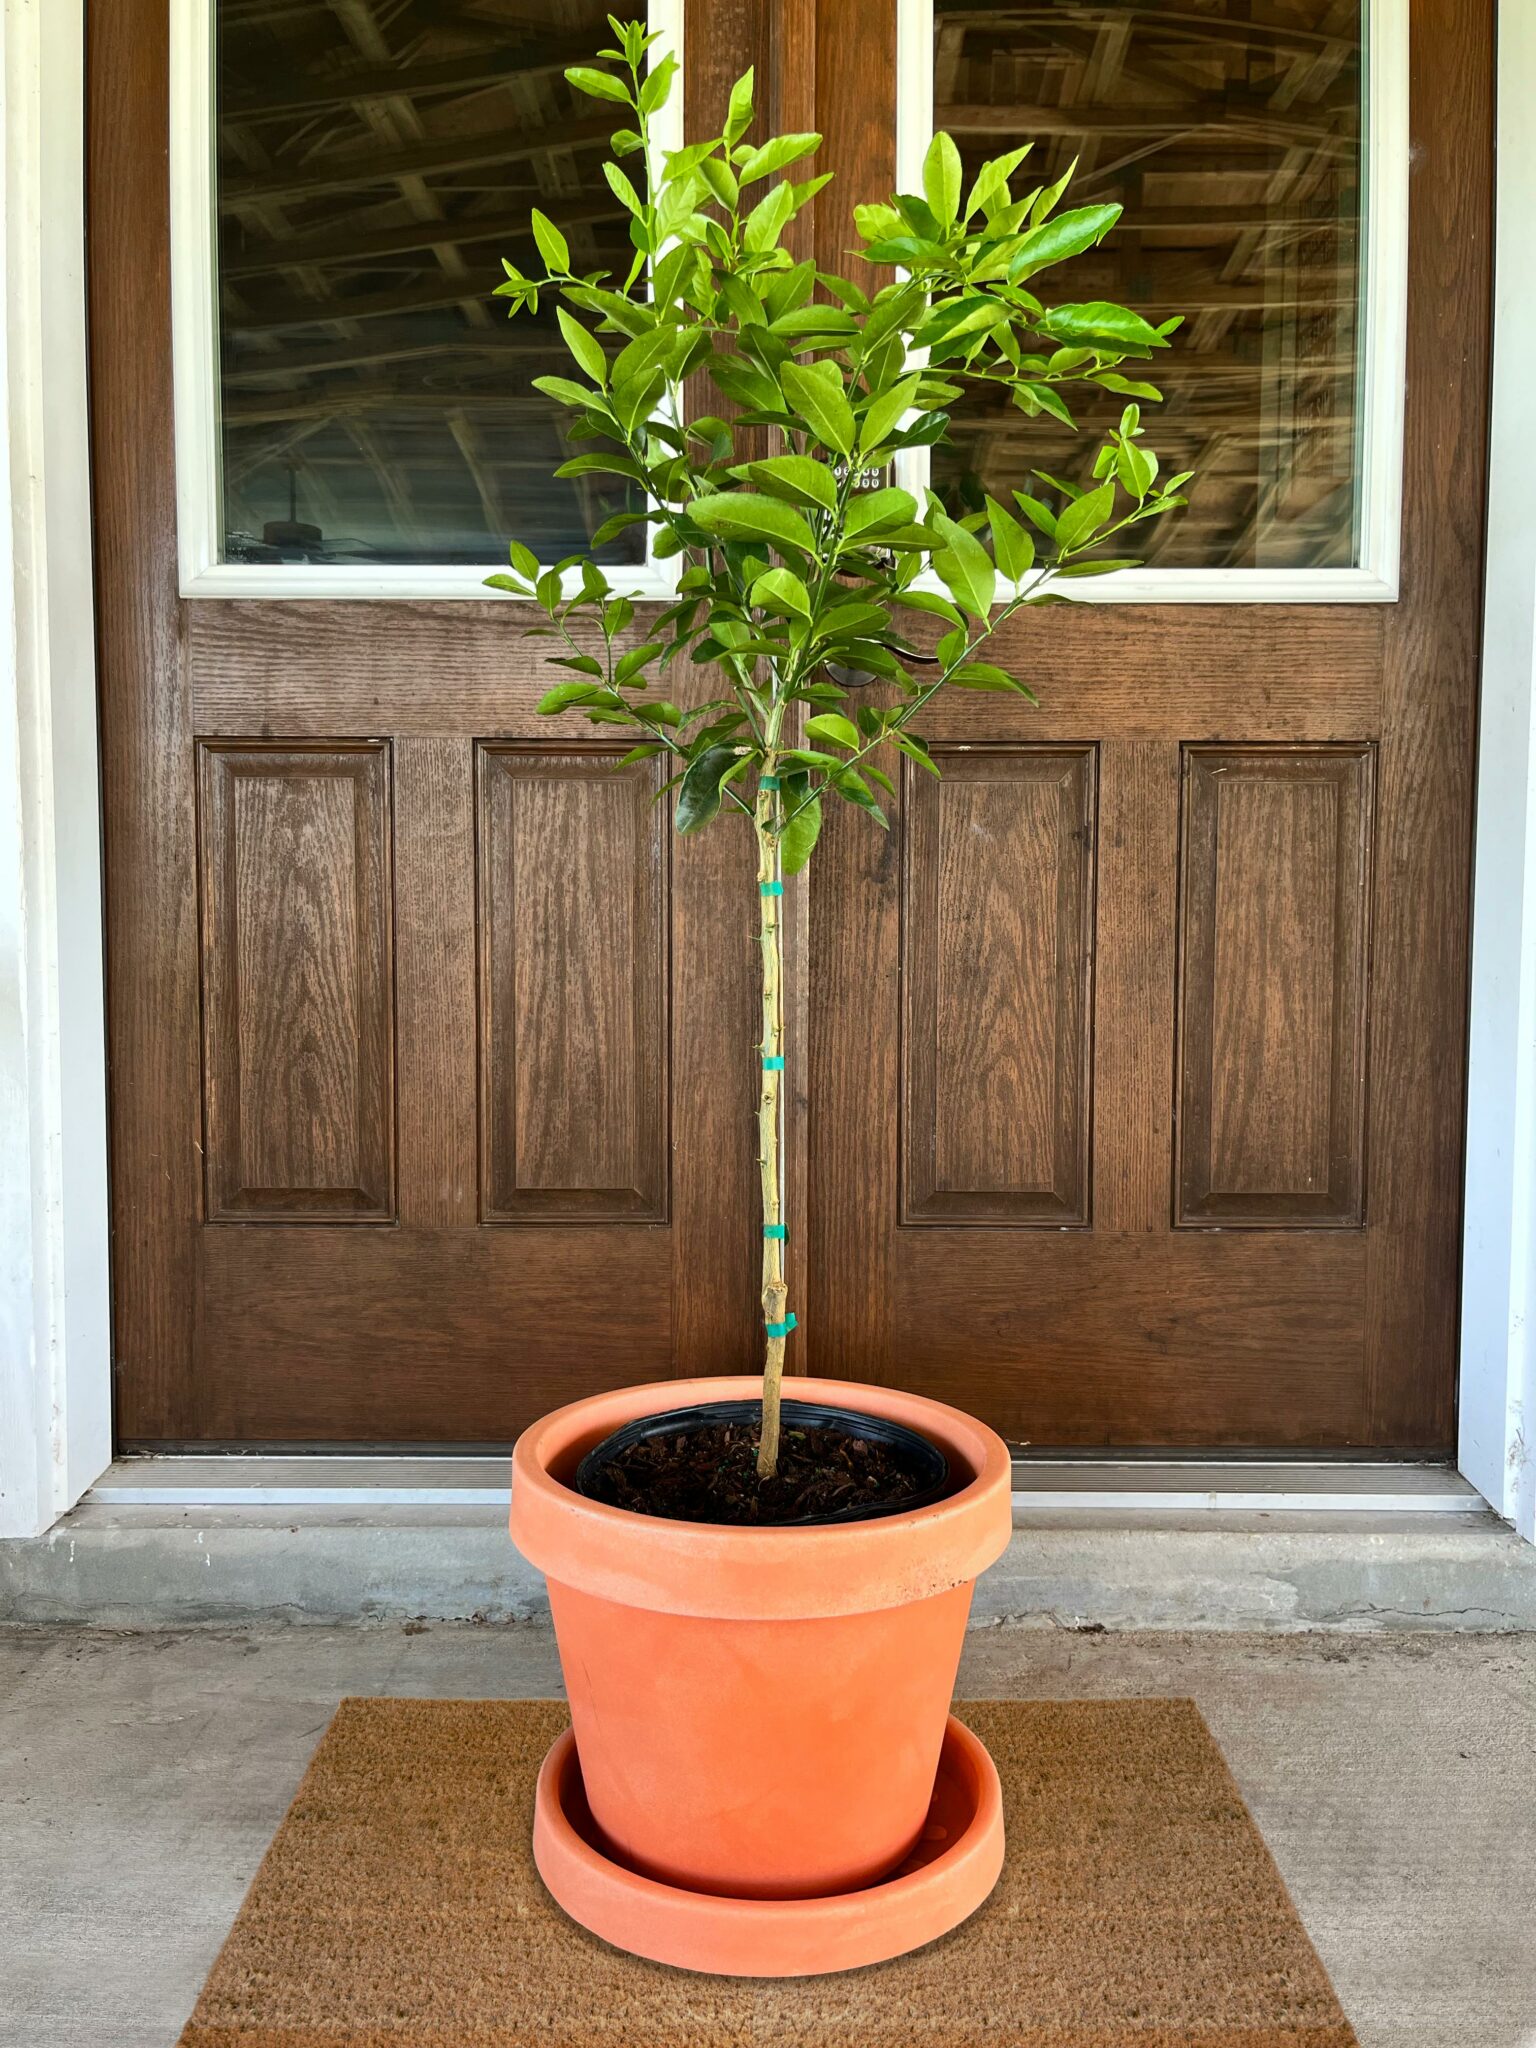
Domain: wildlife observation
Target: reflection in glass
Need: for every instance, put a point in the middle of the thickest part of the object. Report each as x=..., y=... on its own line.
x=376, y=159
x=1230, y=130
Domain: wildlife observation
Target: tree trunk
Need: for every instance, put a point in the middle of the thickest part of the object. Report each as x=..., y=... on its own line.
x=770, y=884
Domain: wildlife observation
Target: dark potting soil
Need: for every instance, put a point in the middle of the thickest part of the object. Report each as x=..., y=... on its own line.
x=710, y=1475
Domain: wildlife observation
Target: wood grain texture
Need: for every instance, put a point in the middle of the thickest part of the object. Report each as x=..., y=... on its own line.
x=298, y=982
x=148, y=808
x=998, y=862
x=435, y=981
x=1134, y=984
x=1203, y=672
x=1192, y=1337
x=574, y=1085
x=448, y=1336
x=1425, y=772
x=855, y=915
x=1274, y=947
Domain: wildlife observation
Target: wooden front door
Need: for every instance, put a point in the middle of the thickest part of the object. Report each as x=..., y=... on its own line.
x=1134, y=1054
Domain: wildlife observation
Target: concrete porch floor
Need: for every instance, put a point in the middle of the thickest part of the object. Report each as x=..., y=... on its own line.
x=141, y=1777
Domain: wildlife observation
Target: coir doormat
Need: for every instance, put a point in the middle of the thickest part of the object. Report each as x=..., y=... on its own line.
x=398, y=1907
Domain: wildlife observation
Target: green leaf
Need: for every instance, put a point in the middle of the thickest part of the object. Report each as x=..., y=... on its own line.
x=721, y=180
x=816, y=392
x=941, y=178
x=965, y=568
x=799, y=477
x=738, y=118
x=1069, y=234
x=929, y=601
x=1111, y=380
x=502, y=581
x=831, y=725
x=1100, y=320
x=564, y=390
x=563, y=695
x=1136, y=469
x=1084, y=516
x=762, y=227
x=1045, y=201
x=698, y=798
x=524, y=561
x=552, y=244
x=782, y=591
x=775, y=156
x=850, y=785
x=982, y=675
x=885, y=413
x=597, y=85
x=1014, y=549
x=1039, y=516
x=584, y=350
x=915, y=750
x=630, y=663
x=800, y=835
x=870, y=509
x=742, y=515
x=658, y=84
x=992, y=178
x=621, y=188
x=648, y=752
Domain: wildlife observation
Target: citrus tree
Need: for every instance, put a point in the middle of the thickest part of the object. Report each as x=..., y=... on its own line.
x=801, y=572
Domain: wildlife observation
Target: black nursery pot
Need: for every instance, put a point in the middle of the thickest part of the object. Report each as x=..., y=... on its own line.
x=925, y=1461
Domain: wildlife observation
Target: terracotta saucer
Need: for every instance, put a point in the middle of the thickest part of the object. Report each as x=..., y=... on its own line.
x=951, y=1870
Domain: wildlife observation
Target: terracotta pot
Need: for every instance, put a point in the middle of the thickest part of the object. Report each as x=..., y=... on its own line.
x=758, y=1713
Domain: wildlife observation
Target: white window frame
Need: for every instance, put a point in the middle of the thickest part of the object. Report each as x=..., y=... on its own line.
x=195, y=359
x=1383, y=355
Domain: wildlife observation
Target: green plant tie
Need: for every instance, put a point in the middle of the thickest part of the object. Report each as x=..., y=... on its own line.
x=773, y=1063
x=770, y=888
x=781, y=1329
x=767, y=782
x=775, y=1230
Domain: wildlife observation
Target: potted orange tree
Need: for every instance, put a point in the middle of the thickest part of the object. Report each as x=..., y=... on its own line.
x=760, y=1602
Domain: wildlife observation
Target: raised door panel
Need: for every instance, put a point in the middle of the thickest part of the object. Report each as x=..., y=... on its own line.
x=298, y=1027
x=1273, y=1005
x=999, y=864
x=573, y=988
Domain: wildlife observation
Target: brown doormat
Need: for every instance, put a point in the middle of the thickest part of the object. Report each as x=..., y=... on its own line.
x=398, y=1907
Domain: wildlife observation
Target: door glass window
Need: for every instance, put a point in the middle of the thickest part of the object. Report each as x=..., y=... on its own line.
x=373, y=165
x=1231, y=132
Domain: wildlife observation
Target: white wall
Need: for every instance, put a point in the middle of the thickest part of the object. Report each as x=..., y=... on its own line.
x=1498, y=1398
x=55, y=1384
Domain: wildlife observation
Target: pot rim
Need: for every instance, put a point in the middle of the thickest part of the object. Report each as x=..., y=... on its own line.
x=742, y=1572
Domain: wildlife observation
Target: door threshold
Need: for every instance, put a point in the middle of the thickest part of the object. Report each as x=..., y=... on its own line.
x=1078, y=1485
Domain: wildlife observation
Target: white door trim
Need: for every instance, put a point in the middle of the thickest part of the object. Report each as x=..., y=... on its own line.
x=1498, y=1345
x=55, y=1368
x=55, y=1328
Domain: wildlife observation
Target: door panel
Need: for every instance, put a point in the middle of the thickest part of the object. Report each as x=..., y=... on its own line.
x=998, y=900
x=298, y=1011
x=573, y=950
x=1274, y=902
x=1268, y=1251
